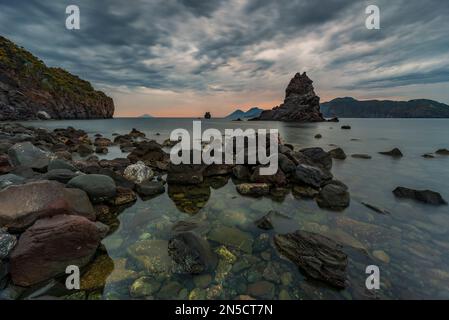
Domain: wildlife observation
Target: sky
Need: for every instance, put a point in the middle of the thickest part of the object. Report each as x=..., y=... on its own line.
x=181, y=58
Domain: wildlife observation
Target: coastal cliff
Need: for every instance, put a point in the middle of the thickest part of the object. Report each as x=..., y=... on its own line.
x=301, y=104
x=30, y=90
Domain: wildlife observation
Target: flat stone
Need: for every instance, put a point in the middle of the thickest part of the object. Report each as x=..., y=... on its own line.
x=425, y=196
x=43, y=199
x=232, y=237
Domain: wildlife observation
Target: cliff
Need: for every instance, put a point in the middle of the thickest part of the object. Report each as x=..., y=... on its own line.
x=30, y=90
x=352, y=108
x=301, y=104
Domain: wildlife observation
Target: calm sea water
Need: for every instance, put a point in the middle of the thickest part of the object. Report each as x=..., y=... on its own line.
x=410, y=245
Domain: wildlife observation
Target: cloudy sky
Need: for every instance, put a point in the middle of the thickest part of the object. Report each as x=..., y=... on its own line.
x=185, y=57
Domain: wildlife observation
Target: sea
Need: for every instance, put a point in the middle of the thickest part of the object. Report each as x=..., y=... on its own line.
x=409, y=244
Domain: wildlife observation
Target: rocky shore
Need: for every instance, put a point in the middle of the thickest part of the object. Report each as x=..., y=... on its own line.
x=73, y=200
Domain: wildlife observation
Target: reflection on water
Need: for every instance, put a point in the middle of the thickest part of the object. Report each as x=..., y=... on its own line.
x=410, y=245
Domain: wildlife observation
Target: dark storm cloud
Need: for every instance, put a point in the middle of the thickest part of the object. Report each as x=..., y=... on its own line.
x=190, y=44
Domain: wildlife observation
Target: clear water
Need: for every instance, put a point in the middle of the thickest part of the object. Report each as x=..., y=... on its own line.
x=415, y=237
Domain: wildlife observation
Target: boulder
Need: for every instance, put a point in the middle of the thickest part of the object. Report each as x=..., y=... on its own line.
x=150, y=188
x=278, y=179
x=46, y=249
x=308, y=175
x=138, y=172
x=286, y=164
x=319, y=257
x=396, y=153
x=10, y=179
x=425, y=196
x=338, y=154
x=319, y=157
x=185, y=174
x=43, y=199
x=253, y=189
x=61, y=164
x=60, y=175
x=191, y=253
x=98, y=187
x=123, y=196
x=241, y=172
x=7, y=243
x=102, y=142
x=150, y=153
x=333, y=196
x=84, y=150
x=26, y=154
x=442, y=152
x=346, y=127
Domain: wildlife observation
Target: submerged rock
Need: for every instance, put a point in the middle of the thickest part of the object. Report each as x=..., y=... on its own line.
x=376, y=209
x=346, y=127
x=51, y=244
x=98, y=187
x=138, y=172
x=308, y=175
x=262, y=289
x=43, y=199
x=150, y=188
x=425, y=196
x=152, y=255
x=26, y=154
x=265, y=222
x=361, y=156
x=232, y=237
x=333, y=196
x=253, y=189
x=317, y=256
x=394, y=153
x=191, y=253
x=442, y=152
x=144, y=287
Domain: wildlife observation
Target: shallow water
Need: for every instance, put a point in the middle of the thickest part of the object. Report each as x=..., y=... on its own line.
x=414, y=237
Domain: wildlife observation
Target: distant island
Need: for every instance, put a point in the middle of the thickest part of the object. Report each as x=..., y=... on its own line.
x=351, y=108
x=30, y=90
x=146, y=115
x=244, y=115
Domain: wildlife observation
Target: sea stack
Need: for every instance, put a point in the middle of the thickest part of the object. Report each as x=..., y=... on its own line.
x=301, y=104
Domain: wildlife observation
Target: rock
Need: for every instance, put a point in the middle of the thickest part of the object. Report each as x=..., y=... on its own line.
x=425, y=196
x=428, y=156
x=7, y=243
x=185, y=174
x=46, y=249
x=376, y=209
x=300, y=104
x=43, y=115
x=381, y=255
x=308, y=175
x=96, y=275
x=189, y=198
x=261, y=289
x=101, y=150
x=442, y=152
x=60, y=175
x=338, y=153
x=43, y=199
x=253, y=189
x=317, y=256
x=305, y=192
x=191, y=253
x=278, y=179
x=241, y=172
x=138, y=172
x=361, y=156
x=61, y=164
x=393, y=153
x=286, y=164
x=10, y=179
x=102, y=142
x=123, y=196
x=265, y=222
x=150, y=153
x=170, y=291
x=333, y=197
x=150, y=188
x=26, y=154
x=232, y=237
x=5, y=166
x=318, y=136
x=346, y=127
x=98, y=187
x=30, y=90
x=319, y=157
x=152, y=255
x=218, y=170
x=144, y=287
x=202, y=281
x=84, y=150
x=136, y=133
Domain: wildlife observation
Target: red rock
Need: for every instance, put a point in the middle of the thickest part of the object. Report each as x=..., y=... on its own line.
x=22, y=205
x=50, y=245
